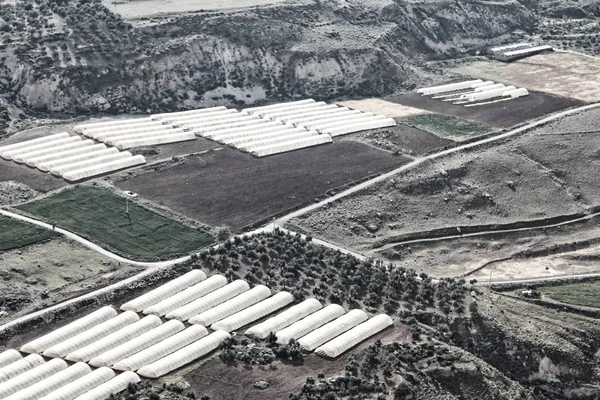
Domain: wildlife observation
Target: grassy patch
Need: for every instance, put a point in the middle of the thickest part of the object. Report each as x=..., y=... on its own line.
x=581, y=294
x=446, y=126
x=15, y=234
x=100, y=215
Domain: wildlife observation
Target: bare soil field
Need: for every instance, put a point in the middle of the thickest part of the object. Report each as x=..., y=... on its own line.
x=61, y=267
x=383, y=107
x=502, y=114
x=524, y=179
x=232, y=188
x=561, y=74
x=32, y=177
x=401, y=138
x=221, y=381
x=148, y=8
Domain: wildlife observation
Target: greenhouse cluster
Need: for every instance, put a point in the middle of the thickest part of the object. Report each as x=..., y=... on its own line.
x=473, y=92
x=70, y=157
x=136, y=339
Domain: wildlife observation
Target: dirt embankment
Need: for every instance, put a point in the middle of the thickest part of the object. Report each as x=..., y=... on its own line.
x=328, y=50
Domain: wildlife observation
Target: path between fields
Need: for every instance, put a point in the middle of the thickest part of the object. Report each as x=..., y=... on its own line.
x=280, y=222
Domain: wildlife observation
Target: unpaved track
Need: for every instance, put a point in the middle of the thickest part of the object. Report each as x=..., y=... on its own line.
x=485, y=233
x=283, y=220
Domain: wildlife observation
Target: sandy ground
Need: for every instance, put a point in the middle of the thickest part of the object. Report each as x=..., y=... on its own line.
x=378, y=106
x=575, y=262
x=61, y=267
x=562, y=74
x=146, y=8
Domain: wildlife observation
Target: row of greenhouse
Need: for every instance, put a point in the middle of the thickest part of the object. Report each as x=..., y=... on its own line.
x=198, y=314
x=70, y=157
x=34, y=378
x=136, y=132
x=473, y=92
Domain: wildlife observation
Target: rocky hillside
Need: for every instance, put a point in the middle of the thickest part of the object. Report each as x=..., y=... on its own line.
x=76, y=56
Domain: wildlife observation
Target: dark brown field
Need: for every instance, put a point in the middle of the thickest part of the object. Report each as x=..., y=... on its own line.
x=232, y=188
x=32, y=177
x=503, y=114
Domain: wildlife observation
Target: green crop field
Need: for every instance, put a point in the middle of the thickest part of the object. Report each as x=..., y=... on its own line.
x=581, y=294
x=15, y=234
x=446, y=126
x=100, y=215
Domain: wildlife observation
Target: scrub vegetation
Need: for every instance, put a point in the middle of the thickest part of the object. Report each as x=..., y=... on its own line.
x=101, y=216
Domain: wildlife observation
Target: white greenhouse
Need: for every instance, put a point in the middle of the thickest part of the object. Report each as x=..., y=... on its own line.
x=108, y=135
x=309, y=323
x=9, y=356
x=513, y=94
x=114, y=122
x=451, y=87
x=258, y=124
x=187, y=296
x=11, y=154
x=20, y=366
x=154, y=140
x=286, y=115
x=114, y=386
x=285, y=318
x=49, y=165
x=52, y=383
x=489, y=94
x=130, y=332
x=164, y=131
x=248, y=145
x=360, y=126
x=90, y=162
x=100, y=133
x=32, y=376
x=82, y=385
x=332, y=329
x=252, y=132
x=292, y=145
x=303, y=122
x=61, y=334
x=199, y=111
x=53, y=148
x=185, y=355
x=238, y=303
x=354, y=336
x=93, y=334
x=167, y=290
x=488, y=87
x=87, y=149
x=253, y=110
x=254, y=313
x=79, y=147
x=135, y=345
x=162, y=349
x=33, y=142
x=199, y=117
x=321, y=124
x=209, y=301
x=111, y=166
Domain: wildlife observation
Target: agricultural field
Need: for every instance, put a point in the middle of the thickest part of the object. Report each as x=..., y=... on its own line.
x=60, y=267
x=235, y=189
x=578, y=294
x=16, y=234
x=101, y=216
x=446, y=126
x=382, y=107
x=559, y=74
x=502, y=114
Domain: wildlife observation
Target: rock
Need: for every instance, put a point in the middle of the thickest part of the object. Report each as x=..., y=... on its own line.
x=372, y=228
x=262, y=385
x=182, y=385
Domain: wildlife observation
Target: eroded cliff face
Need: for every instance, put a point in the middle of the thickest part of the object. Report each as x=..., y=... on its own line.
x=344, y=49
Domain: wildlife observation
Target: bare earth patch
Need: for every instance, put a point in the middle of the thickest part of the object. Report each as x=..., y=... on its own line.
x=382, y=107
x=61, y=267
x=561, y=74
